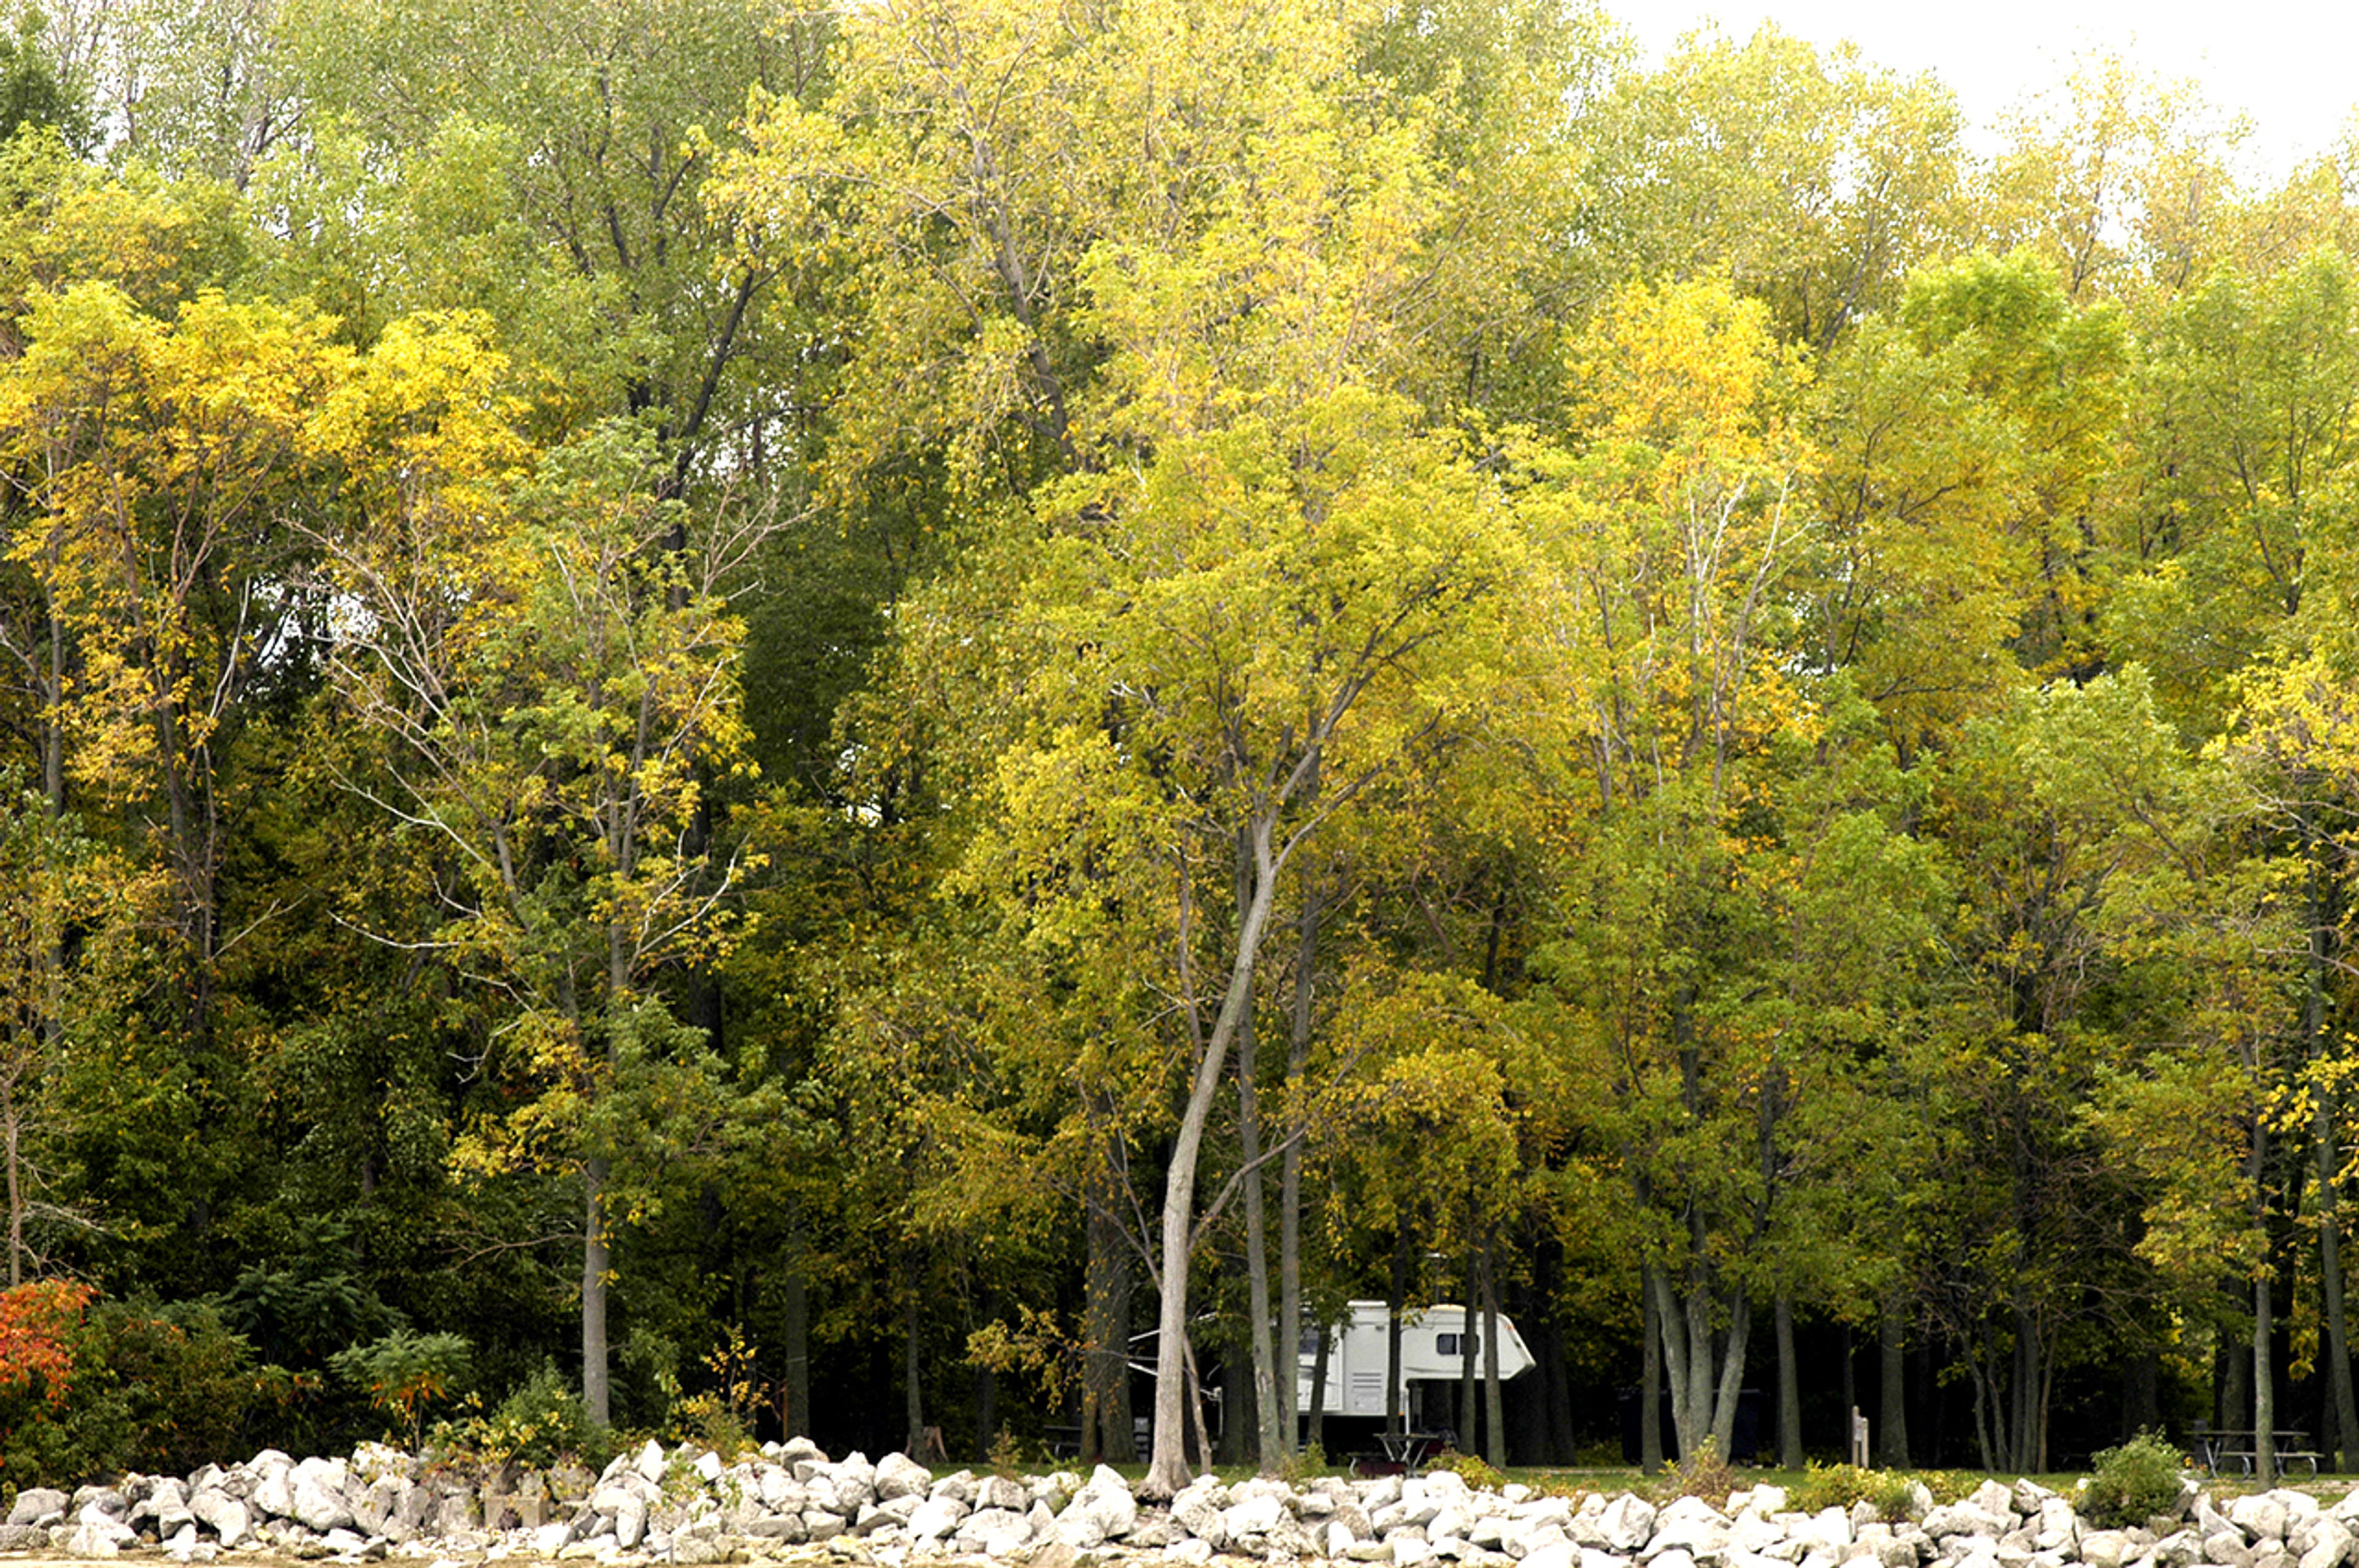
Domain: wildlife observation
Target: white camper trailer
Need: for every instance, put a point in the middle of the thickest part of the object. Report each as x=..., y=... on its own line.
x=1430, y=1362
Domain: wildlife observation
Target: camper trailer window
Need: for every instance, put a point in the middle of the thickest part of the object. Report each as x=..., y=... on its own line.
x=1448, y=1344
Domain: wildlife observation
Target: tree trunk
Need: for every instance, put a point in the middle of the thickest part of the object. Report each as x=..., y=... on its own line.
x=1236, y=1394
x=2026, y=1437
x=795, y=1309
x=1892, y=1389
x=2342, y=1410
x=986, y=1410
x=1789, y=1388
x=913, y=1387
x=1650, y=1392
x=1396, y=1294
x=1495, y=1423
x=1270, y=1445
x=1705, y=1388
x=1290, y=1168
x=2265, y=1390
x=596, y=1264
x=53, y=737
x=8, y=1132
x=1317, y=1437
x=1732, y=1373
x=2264, y=1394
x=1167, y=1472
x=2231, y=1371
x=1106, y=1434
x=1468, y=1364
x=1196, y=1408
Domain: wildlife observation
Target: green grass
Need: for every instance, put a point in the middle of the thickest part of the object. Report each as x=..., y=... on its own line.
x=1613, y=1479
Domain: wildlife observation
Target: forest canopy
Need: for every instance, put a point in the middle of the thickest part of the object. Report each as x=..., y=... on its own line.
x=835, y=720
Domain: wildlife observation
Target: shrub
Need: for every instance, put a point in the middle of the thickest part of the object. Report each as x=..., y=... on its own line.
x=188, y=1384
x=541, y=1420
x=403, y=1371
x=1306, y=1463
x=1703, y=1474
x=90, y=1387
x=2132, y=1484
x=1473, y=1469
x=1007, y=1455
x=721, y=1417
x=1841, y=1486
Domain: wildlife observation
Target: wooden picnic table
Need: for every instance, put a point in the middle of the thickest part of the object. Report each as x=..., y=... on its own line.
x=2225, y=1449
x=1402, y=1452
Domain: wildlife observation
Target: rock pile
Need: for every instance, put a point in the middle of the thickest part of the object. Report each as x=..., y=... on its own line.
x=794, y=1503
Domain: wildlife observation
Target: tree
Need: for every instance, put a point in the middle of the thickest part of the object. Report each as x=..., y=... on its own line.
x=32, y=92
x=1669, y=537
x=546, y=673
x=549, y=167
x=1817, y=183
x=154, y=461
x=2116, y=180
x=2057, y=813
x=69, y=912
x=2250, y=425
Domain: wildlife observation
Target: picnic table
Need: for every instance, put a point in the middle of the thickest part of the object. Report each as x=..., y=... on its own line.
x=1402, y=1452
x=2223, y=1450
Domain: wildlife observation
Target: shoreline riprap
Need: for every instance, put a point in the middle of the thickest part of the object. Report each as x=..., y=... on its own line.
x=793, y=1504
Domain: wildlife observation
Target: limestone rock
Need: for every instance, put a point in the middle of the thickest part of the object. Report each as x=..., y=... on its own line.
x=2329, y=1543
x=1962, y=1519
x=317, y=1496
x=855, y=1481
x=898, y=1475
x=2106, y=1548
x=935, y=1518
x=1194, y=1511
x=2262, y=1517
x=1001, y=1492
x=1108, y=1500
x=1628, y=1523
x=630, y=1520
x=2226, y=1547
x=697, y=1548
x=225, y=1516
x=1541, y=1537
x=1689, y=1525
x=98, y=1533
x=1258, y=1516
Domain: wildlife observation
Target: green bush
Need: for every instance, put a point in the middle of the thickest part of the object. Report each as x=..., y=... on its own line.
x=2132, y=1484
x=404, y=1372
x=541, y=1420
x=153, y=1386
x=1473, y=1469
x=1841, y=1486
x=1704, y=1473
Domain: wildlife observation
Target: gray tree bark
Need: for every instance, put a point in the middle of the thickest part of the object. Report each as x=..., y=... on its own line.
x=1892, y=1389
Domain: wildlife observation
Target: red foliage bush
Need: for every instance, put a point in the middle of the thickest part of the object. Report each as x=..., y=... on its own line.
x=37, y=1331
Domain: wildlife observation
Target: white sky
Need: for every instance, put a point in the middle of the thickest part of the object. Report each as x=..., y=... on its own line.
x=2292, y=66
